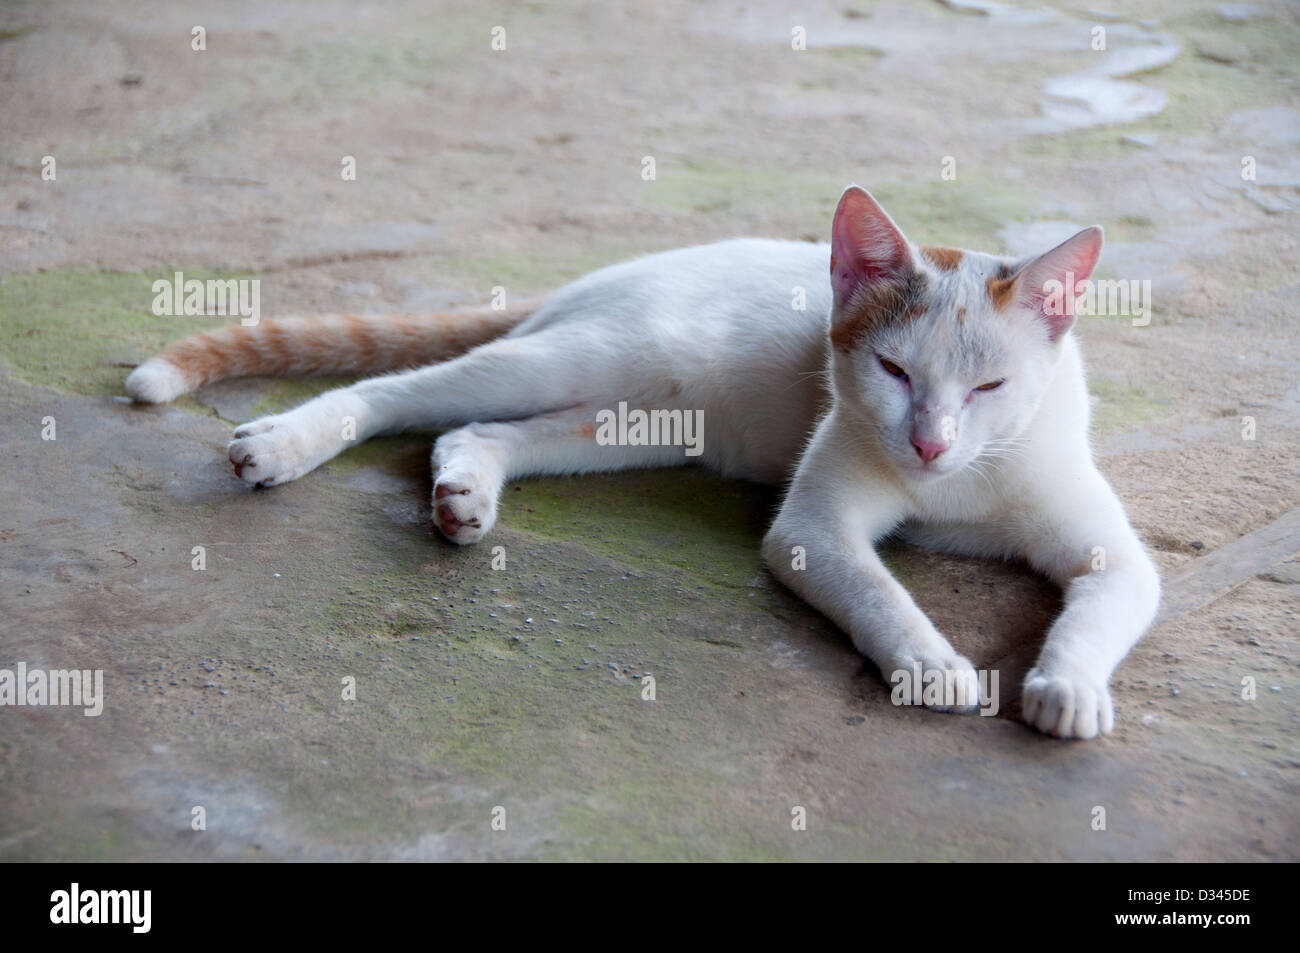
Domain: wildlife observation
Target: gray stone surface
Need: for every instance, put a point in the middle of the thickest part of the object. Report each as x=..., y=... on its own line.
x=521, y=688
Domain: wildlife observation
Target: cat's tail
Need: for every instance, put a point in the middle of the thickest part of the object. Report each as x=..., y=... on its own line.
x=328, y=344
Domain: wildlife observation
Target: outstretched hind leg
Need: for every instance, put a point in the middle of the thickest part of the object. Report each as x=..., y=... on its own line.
x=472, y=464
x=507, y=378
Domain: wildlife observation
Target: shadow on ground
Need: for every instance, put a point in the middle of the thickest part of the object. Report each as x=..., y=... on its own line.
x=521, y=688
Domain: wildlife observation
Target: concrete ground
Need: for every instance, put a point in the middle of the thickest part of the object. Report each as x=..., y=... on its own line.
x=520, y=688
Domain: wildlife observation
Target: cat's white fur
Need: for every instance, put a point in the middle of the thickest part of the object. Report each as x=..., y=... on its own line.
x=716, y=328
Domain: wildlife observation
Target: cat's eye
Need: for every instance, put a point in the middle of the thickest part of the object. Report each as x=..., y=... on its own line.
x=991, y=385
x=892, y=368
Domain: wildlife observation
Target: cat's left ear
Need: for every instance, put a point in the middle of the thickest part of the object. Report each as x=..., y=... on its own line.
x=866, y=246
x=1048, y=284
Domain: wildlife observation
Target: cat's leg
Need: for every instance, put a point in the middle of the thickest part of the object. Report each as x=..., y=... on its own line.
x=507, y=378
x=821, y=547
x=470, y=465
x=1084, y=542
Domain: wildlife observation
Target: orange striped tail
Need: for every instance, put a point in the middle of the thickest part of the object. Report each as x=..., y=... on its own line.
x=326, y=344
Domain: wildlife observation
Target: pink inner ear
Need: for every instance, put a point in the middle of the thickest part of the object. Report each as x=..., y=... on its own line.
x=865, y=245
x=1048, y=284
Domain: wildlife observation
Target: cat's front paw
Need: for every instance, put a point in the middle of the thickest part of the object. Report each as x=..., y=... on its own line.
x=464, y=507
x=273, y=450
x=939, y=679
x=1067, y=707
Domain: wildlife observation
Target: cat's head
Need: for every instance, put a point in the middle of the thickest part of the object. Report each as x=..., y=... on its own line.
x=944, y=353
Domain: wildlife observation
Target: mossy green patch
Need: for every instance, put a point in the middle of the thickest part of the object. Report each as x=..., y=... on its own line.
x=850, y=57
x=1130, y=228
x=966, y=211
x=506, y=669
x=359, y=62
x=621, y=809
x=707, y=527
x=530, y=272
x=404, y=454
x=91, y=837
x=1122, y=404
x=703, y=186
x=1223, y=67
x=285, y=393
x=837, y=67
x=1093, y=144
x=1202, y=90
x=81, y=331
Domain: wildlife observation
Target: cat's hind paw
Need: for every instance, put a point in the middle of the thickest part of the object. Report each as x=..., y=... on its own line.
x=463, y=510
x=1067, y=707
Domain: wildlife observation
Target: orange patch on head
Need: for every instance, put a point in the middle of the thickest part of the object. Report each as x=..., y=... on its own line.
x=873, y=306
x=1002, y=291
x=961, y=315
x=945, y=259
x=587, y=430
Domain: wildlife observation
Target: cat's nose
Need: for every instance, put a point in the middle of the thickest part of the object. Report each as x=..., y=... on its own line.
x=926, y=450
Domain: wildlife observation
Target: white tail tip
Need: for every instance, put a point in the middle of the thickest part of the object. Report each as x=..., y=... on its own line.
x=156, y=382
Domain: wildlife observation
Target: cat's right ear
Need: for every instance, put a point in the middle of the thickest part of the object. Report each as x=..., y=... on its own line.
x=1047, y=285
x=866, y=245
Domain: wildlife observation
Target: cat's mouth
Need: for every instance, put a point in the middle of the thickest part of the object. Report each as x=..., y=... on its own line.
x=941, y=467
x=928, y=471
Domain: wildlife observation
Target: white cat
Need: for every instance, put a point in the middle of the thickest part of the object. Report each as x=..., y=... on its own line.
x=943, y=391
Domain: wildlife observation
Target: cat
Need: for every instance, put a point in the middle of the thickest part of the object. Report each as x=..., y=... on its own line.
x=929, y=392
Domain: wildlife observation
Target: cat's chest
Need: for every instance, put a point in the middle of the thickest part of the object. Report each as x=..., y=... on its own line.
x=970, y=496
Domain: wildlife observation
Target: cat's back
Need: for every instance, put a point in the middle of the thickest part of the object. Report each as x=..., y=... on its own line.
x=742, y=285
x=737, y=330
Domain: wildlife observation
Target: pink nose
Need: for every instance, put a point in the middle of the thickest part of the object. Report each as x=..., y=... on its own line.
x=928, y=451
